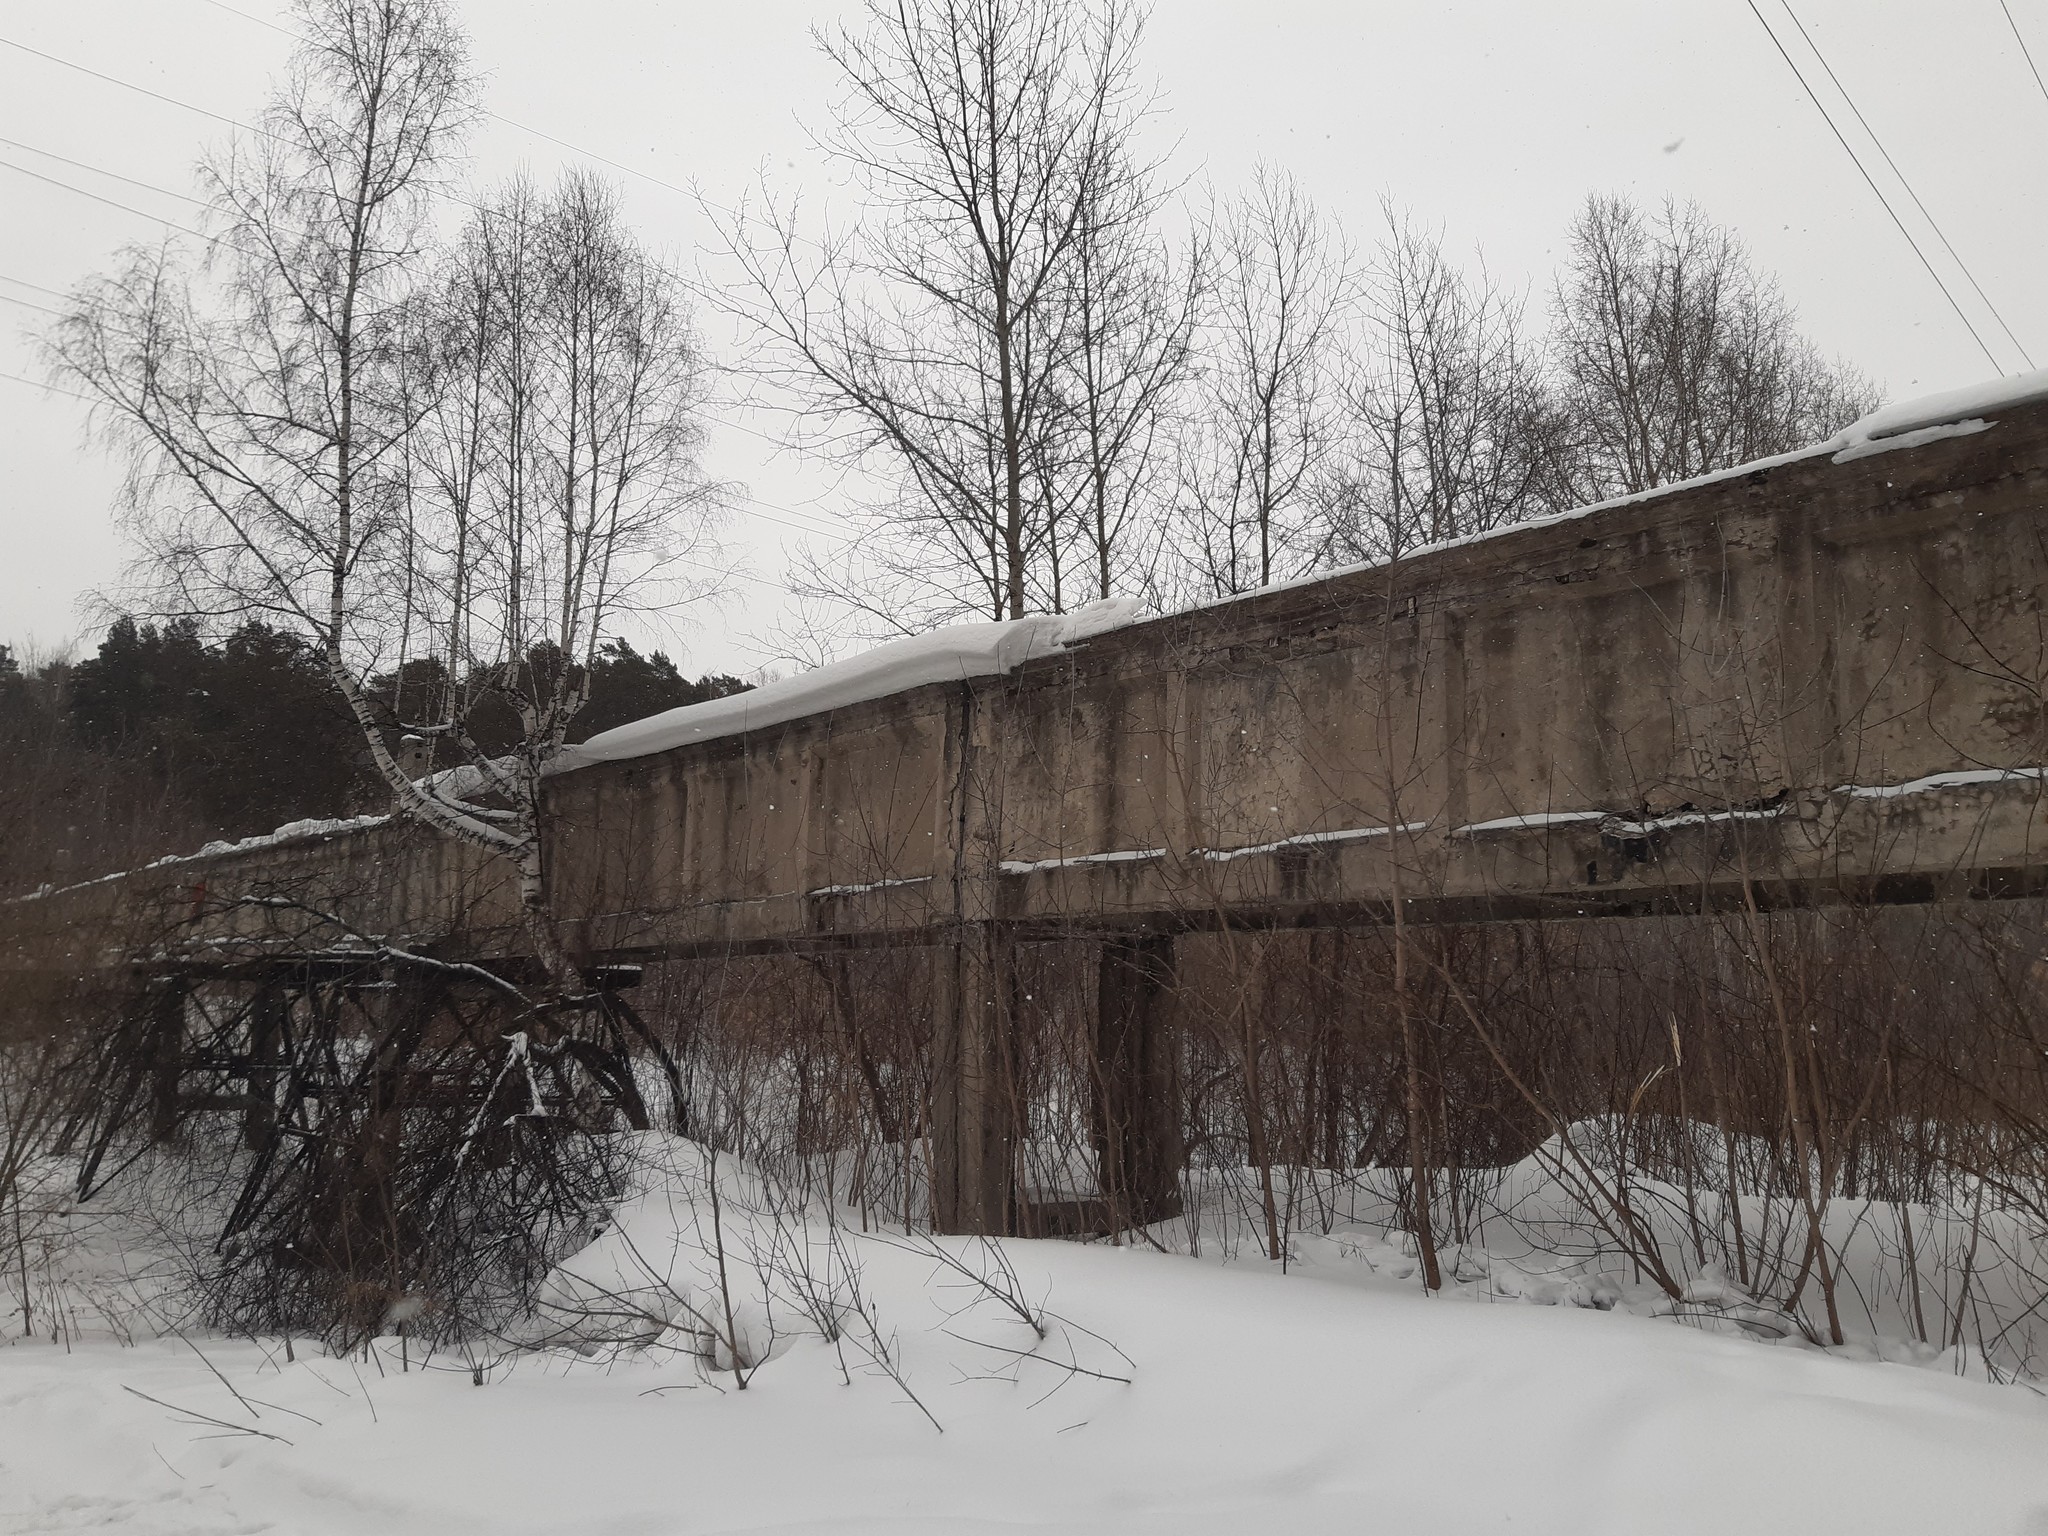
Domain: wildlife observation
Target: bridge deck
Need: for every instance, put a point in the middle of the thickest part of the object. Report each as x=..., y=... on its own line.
x=1814, y=678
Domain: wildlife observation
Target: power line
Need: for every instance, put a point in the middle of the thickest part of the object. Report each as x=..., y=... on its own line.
x=735, y=573
x=759, y=511
x=110, y=202
x=128, y=86
x=755, y=508
x=1871, y=182
x=22, y=282
x=538, y=133
x=817, y=520
x=812, y=527
x=695, y=287
x=2025, y=52
x=52, y=388
x=817, y=526
x=732, y=572
x=1961, y=265
x=100, y=170
x=284, y=31
x=14, y=378
x=752, y=509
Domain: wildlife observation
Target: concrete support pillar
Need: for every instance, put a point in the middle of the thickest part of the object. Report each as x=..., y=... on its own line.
x=975, y=1111
x=1137, y=1119
x=166, y=1038
x=266, y=1035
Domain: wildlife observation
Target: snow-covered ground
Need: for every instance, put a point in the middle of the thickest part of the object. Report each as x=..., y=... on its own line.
x=1334, y=1397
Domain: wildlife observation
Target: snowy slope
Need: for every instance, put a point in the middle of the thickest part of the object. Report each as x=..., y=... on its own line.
x=1259, y=1403
x=1334, y=1398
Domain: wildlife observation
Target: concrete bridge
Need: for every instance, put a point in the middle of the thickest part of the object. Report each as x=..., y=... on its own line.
x=1816, y=679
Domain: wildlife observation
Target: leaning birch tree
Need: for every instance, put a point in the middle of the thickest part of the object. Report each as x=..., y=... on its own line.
x=336, y=425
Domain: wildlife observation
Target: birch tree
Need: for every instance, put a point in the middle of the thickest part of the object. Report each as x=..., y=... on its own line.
x=338, y=427
x=553, y=488
x=255, y=386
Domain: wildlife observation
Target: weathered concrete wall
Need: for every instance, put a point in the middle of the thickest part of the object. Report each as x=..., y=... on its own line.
x=1642, y=705
x=392, y=882
x=1647, y=703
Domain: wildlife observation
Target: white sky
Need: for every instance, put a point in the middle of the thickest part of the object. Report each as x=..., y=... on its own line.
x=1493, y=117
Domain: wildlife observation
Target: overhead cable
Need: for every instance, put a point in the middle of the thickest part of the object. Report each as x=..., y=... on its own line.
x=128, y=85
x=22, y=282
x=16, y=378
x=697, y=288
x=589, y=154
x=812, y=527
x=1954, y=255
x=733, y=572
x=110, y=202
x=2025, y=52
x=826, y=531
x=1848, y=149
x=100, y=170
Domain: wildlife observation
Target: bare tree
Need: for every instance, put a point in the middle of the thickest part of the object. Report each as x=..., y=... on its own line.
x=257, y=394
x=557, y=482
x=1127, y=357
x=1676, y=357
x=321, y=436
x=1450, y=425
x=1252, y=467
x=928, y=342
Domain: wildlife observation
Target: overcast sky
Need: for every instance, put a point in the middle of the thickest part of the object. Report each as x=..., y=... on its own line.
x=1492, y=119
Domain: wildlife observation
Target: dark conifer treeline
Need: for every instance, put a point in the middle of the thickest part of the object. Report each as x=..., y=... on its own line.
x=248, y=732
x=164, y=740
